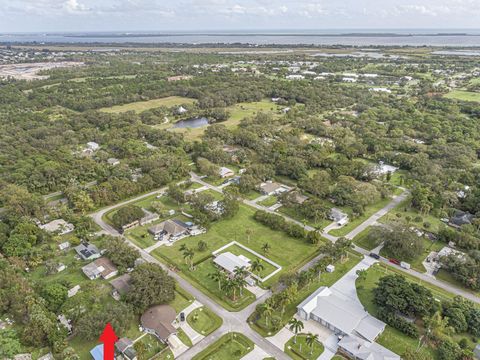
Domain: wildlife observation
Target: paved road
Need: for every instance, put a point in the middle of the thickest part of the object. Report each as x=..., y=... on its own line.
x=232, y=321
x=373, y=219
x=237, y=321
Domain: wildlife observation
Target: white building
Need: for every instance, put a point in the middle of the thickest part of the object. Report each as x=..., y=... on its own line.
x=381, y=89
x=229, y=262
x=225, y=172
x=93, y=146
x=58, y=226
x=294, y=77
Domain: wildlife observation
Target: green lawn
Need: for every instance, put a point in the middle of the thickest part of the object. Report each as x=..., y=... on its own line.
x=259, y=324
x=463, y=95
x=182, y=299
x=363, y=240
x=231, y=346
x=184, y=337
x=269, y=201
x=302, y=351
x=204, y=321
x=339, y=357
x=140, y=106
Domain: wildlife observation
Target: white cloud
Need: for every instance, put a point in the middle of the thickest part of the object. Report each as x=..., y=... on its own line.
x=73, y=6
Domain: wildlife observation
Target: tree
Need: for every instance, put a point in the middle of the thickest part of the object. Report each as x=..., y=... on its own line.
x=188, y=254
x=311, y=339
x=266, y=247
x=240, y=273
x=150, y=285
x=267, y=311
x=399, y=240
x=249, y=233
x=296, y=326
x=121, y=254
x=127, y=215
x=449, y=350
x=55, y=294
x=218, y=276
x=256, y=266
x=91, y=323
x=456, y=319
x=10, y=345
x=202, y=246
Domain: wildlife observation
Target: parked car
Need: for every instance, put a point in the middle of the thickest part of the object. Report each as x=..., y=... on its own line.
x=182, y=316
x=394, y=261
x=375, y=256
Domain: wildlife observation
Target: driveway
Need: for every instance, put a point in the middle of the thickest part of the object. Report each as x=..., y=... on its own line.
x=346, y=285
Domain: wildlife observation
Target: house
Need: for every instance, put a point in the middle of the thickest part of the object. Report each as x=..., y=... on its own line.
x=64, y=246
x=460, y=218
x=359, y=349
x=113, y=161
x=66, y=323
x=26, y=356
x=158, y=321
x=101, y=267
x=229, y=262
x=87, y=251
x=97, y=352
x=149, y=217
x=338, y=216
x=225, y=172
x=48, y=356
x=124, y=346
x=330, y=268
x=121, y=286
x=178, y=78
x=60, y=267
x=73, y=291
x=349, y=80
x=215, y=207
x=380, y=89
x=273, y=188
x=383, y=168
x=59, y=226
x=340, y=314
x=93, y=146
x=169, y=230
x=181, y=110
x=295, y=77
x=299, y=198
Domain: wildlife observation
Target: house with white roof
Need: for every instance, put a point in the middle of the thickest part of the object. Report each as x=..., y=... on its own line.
x=225, y=172
x=341, y=315
x=229, y=262
x=58, y=226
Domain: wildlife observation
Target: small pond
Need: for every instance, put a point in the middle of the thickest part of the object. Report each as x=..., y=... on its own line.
x=191, y=123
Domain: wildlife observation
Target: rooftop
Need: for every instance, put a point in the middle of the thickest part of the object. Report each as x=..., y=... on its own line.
x=159, y=319
x=230, y=262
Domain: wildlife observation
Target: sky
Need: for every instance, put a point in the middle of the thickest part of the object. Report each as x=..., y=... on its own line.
x=165, y=15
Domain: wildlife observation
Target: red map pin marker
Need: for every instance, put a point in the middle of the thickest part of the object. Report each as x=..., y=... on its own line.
x=108, y=338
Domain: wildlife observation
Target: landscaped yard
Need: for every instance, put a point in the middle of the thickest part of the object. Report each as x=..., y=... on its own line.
x=184, y=337
x=140, y=106
x=286, y=251
x=392, y=338
x=231, y=346
x=363, y=240
x=204, y=321
x=269, y=201
x=301, y=350
x=182, y=299
x=148, y=346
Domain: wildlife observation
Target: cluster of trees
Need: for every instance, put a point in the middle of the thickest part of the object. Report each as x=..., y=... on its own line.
x=464, y=268
x=277, y=222
x=400, y=241
x=401, y=303
x=205, y=209
x=127, y=215
x=230, y=283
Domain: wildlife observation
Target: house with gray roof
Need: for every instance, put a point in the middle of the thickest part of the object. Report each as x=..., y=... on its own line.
x=171, y=230
x=358, y=349
x=87, y=251
x=340, y=315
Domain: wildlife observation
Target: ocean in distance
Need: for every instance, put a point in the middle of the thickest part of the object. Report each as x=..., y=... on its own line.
x=349, y=37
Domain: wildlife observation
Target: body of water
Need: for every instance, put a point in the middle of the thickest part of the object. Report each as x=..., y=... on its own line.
x=351, y=37
x=191, y=123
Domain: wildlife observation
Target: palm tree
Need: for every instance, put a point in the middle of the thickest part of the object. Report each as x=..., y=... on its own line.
x=182, y=248
x=256, y=266
x=311, y=340
x=229, y=286
x=240, y=274
x=296, y=326
x=266, y=247
x=249, y=233
x=188, y=254
x=217, y=276
x=267, y=310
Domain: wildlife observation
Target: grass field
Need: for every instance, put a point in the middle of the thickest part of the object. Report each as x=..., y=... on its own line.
x=301, y=350
x=363, y=240
x=231, y=346
x=237, y=113
x=204, y=321
x=140, y=106
x=269, y=201
x=463, y=95
x=148, y=346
